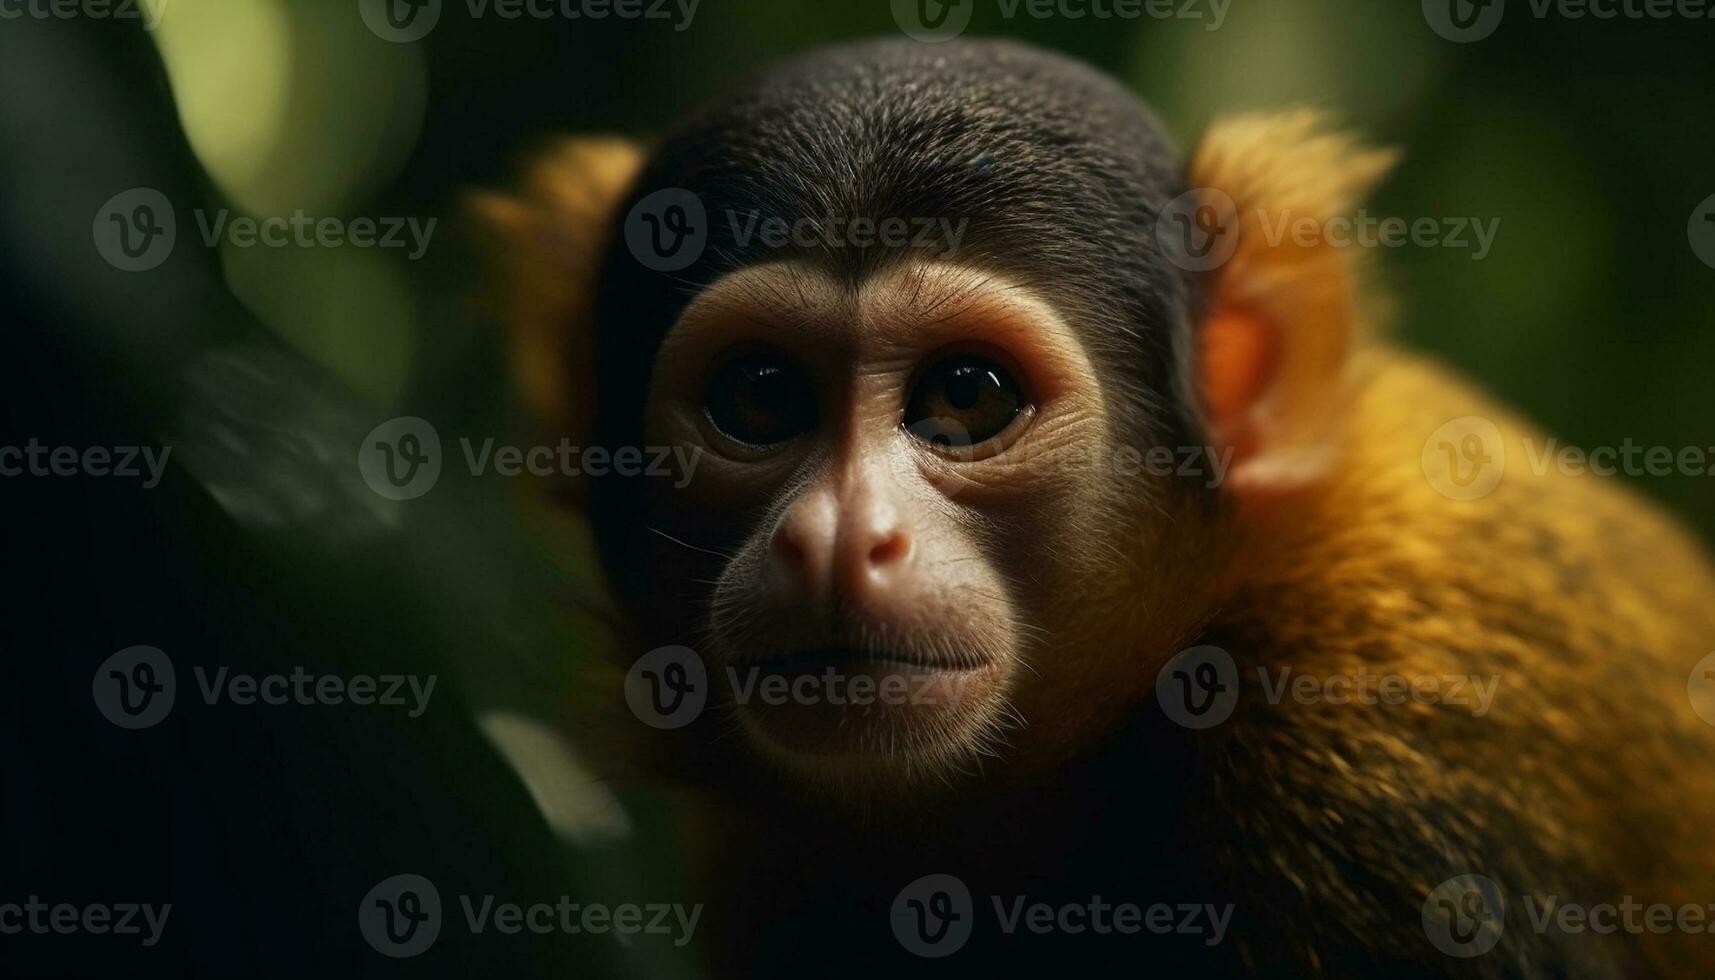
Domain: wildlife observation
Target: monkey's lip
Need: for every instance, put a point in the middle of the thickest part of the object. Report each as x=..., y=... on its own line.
x=814, y=660
x=807, y=705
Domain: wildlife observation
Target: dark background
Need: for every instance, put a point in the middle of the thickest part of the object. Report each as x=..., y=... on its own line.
x=1590, y=140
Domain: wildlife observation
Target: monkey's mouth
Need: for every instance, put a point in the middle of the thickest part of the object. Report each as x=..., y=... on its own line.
x=880, y=703
x=884, y=661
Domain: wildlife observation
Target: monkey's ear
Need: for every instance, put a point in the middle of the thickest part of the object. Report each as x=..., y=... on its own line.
x=543, y=248
x=1284, y=310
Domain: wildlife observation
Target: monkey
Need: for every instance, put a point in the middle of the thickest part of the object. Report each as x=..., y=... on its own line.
x=913, y=476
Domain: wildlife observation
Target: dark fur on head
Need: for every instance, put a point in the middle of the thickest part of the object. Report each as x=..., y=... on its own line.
x=1059, y=170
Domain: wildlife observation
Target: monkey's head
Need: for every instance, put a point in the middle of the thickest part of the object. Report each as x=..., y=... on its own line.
x=966, y=433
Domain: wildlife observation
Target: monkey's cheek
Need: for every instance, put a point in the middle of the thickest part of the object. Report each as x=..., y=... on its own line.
x=870, y=714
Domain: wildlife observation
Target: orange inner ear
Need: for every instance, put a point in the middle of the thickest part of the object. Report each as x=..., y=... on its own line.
x=1240, y=355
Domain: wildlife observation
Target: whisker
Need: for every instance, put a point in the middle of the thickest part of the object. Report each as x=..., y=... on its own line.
x=687, y=544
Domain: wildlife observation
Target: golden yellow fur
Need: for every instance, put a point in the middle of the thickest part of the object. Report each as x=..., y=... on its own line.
x=545, y=250
x=1588, y=778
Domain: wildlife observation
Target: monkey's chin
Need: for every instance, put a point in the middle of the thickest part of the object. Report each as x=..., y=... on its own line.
x=835, y=716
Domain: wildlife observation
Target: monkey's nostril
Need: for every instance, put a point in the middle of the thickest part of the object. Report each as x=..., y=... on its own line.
x=893, y=549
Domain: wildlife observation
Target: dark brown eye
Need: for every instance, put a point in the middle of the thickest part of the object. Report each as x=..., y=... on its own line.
x=963, y=400
x=759, y=400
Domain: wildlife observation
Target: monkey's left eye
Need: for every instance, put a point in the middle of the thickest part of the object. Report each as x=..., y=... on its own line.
x=759, y=400
x=962, y=401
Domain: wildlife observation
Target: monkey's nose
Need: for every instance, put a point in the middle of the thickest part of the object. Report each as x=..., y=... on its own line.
x=826, y=547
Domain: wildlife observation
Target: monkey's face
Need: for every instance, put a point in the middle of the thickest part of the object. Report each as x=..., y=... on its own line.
x=890, y=474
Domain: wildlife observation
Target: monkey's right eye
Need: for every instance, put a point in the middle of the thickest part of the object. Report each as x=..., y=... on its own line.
x=759, y=400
